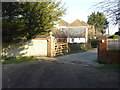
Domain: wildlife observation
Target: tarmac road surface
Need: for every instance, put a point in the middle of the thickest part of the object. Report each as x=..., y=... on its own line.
x=79, y=70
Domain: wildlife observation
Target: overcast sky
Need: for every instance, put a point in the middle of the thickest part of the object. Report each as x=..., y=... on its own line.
x=81, y=9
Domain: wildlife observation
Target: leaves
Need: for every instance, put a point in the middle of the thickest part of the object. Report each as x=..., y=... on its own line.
x=98, y=20
x=23, y=20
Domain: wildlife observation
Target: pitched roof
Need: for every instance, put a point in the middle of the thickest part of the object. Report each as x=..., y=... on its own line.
x=63, y=23
x=55, y=32
x=58, y=33
x=84, y=23
x=77, y=23
x=75, y=32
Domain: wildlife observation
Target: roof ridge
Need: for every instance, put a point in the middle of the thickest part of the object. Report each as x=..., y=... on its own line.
x=77, y=22
x=63, y=22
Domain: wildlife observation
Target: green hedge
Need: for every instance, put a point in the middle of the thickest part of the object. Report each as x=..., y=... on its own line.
x=94, y=43
x=113, y=36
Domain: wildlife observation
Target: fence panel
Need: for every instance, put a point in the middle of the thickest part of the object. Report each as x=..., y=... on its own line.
x=113, y=44
x=61, y=48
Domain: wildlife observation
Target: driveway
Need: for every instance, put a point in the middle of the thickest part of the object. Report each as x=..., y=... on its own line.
x=78, y=70
x=84, y=58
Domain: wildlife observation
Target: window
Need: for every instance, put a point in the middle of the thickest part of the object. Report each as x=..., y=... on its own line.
x=72, y=39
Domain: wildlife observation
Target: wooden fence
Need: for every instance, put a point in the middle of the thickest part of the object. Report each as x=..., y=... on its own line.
x=113, y=44
x=61, y=46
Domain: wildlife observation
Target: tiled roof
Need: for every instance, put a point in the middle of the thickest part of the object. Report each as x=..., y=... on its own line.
x=63, y=23
x=84, y=23
x=75, y=32
x=58, y=33
x=55, y=32
x=77, y=23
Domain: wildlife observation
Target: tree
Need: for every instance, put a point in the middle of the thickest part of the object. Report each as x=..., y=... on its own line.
x=111, y=9
x=22, y=21
x=99, y=21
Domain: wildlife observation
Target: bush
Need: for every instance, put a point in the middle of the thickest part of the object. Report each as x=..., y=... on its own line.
x=74, y=47
x=113, y=36
x=94, y=43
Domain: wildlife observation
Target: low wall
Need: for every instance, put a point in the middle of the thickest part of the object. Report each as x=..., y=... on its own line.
x=35, y=47
x=49, y=46
x=105, y=55
x=62, y=40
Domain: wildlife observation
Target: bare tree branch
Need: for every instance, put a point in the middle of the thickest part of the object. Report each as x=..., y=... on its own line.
x=111, y=8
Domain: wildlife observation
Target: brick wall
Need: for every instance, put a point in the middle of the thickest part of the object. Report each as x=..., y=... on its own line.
x=107, y=56
x=62, y=40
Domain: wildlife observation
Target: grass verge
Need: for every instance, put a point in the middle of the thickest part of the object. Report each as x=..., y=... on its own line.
x=110, y=66
x=115, y=66
x=11, y=60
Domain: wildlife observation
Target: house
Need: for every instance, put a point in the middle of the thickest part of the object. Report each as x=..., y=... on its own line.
x=77, y=32
x=76, y=35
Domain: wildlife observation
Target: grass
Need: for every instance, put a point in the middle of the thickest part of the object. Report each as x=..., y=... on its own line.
x=110, y=65
x=11, y=60
x=113, y=66
x=113, y=36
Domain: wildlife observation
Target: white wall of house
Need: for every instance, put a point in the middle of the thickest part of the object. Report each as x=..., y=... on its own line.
x=76, y=40
x=86, y=35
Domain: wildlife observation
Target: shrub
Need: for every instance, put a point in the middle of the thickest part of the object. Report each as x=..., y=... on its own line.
x=113, y=36
x=94, y=43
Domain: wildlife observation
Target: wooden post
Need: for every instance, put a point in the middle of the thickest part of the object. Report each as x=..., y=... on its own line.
x=50, y=45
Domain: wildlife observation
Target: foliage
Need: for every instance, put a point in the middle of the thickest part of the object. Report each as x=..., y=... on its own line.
x=117, y=33
x=113, y=66
x=110, y=66
x=98, y=20
x=24, y=20
x=78, y=47
x=113, y=36
x=94, y=42
x=11, y=60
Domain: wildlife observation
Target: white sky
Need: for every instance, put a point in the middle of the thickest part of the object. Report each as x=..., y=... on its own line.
x=81, y=9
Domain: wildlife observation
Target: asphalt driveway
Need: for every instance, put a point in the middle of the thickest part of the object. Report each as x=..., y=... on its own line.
x=84, y=58
x=78, y=70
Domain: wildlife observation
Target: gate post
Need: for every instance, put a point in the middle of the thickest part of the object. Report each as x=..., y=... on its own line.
x=102, y=49
x=50, y=45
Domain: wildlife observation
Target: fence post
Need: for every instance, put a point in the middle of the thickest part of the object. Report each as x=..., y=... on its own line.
x=50, y=45
x=102, y=49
